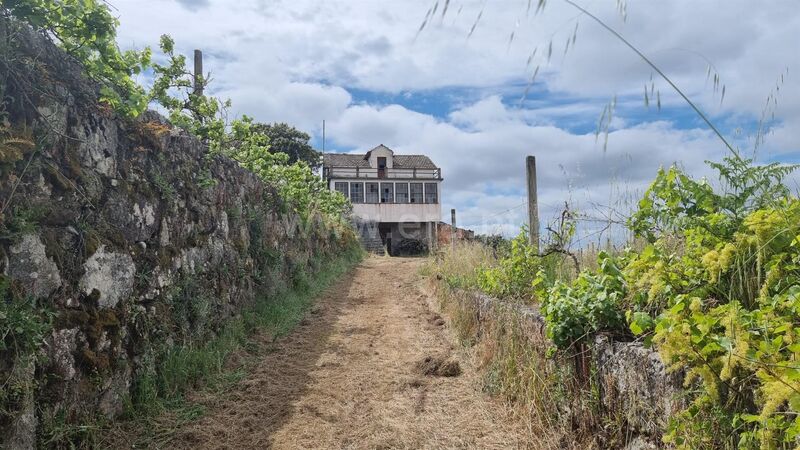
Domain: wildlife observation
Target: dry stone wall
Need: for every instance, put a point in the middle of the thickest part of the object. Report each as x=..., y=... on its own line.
x=125, y=235
x=636, y=394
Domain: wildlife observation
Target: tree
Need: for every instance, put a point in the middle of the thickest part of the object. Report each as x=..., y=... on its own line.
x=284, y=138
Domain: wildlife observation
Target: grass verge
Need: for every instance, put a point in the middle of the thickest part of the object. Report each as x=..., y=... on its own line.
x=159, y=404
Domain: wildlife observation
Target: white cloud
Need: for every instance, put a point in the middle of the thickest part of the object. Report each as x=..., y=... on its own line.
x=295, y=61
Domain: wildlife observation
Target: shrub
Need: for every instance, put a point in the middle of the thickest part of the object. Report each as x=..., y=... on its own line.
x=514, y=274
x=592, y=303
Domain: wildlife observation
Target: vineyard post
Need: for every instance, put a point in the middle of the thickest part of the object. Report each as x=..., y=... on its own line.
x=198, y=72
x=533, y=203
x=453, y=229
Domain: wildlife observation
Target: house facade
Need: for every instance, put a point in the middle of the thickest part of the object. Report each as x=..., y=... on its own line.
x=396, y=198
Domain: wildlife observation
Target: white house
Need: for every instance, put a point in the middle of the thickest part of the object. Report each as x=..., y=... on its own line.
x=395, y=197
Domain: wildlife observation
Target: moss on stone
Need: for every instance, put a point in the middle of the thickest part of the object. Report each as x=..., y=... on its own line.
x=166, y=254
x=60, y=215
x=93, y=297
x=72, y=163
x=72, y=319
x=109, y=235
x=94, y=361
x=59, y=181
x=91, y=242
x=99, y=322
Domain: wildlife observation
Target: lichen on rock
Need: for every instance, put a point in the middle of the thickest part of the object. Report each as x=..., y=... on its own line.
x=28, y=263
x=111, y=274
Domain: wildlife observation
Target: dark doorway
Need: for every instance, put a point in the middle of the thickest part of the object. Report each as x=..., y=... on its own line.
x=381, y=167
x=385, y=231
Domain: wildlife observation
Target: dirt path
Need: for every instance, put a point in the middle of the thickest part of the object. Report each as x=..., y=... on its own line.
x=348, y=377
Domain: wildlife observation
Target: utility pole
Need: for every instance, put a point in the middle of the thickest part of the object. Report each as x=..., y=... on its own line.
x=453, y=228
x=198, y=72
x=533, y=203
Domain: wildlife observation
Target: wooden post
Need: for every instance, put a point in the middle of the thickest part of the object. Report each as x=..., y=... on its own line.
x=198, y=72
x=453, y=228
x=533, y=203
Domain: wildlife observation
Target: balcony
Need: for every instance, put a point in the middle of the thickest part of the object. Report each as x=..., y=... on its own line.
x=366, y=172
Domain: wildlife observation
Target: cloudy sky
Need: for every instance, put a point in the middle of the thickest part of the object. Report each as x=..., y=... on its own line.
x=365, y=68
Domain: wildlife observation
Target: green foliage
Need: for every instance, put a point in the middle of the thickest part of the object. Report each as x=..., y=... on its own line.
x=284, y=138
x=187, y=107
x=515, y=273
x=574, y=311
x=283, y=167
x=302, y=190
x=495, y=241
x=87, y=31
x=717, y=290
x=676, y=202
x=22, y=220
x=22, y=324
x=23, y=327
x=740, y=338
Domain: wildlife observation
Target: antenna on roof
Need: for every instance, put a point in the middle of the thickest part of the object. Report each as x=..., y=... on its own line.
x=323, y=135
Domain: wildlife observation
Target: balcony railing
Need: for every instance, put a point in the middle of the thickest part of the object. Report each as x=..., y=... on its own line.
x=359, y=172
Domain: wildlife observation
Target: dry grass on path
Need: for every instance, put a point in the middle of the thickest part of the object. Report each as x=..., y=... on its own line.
x=354, y=375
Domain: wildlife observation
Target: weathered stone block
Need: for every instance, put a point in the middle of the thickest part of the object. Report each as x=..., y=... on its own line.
x=28, y=263
x=635, y=385
x=111, y=274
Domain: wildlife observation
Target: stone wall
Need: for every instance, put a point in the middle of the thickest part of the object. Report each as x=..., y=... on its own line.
x=636, y=394
x=125, y=235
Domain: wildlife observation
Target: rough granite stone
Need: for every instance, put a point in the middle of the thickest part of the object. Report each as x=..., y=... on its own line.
x=29, y=264
x=62, y=347
x=111, y=274
x=635, y=385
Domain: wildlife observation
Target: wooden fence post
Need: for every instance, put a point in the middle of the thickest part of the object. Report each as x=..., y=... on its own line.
x=198, y=72
x=533, y=203
x=453, y=229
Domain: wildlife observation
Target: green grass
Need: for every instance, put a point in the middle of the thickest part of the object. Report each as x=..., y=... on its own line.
x=179, y=369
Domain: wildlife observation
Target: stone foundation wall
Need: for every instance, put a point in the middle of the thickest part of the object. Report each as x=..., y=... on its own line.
x=125, y=236
x=635, y=391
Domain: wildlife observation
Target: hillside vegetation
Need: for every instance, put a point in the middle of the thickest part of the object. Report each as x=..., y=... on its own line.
x=711, y=281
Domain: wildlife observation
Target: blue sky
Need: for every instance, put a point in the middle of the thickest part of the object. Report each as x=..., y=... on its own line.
x=364, y=68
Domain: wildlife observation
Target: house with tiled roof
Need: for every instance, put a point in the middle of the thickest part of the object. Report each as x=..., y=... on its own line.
x=396, y=198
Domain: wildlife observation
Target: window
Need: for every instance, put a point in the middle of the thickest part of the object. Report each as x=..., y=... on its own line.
x=371, y=193
x=387, y=192
x=431, y=193
x=381, y=168
x=356, y=192
x=416, y=192
x=342, y=187
x=401, y=193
